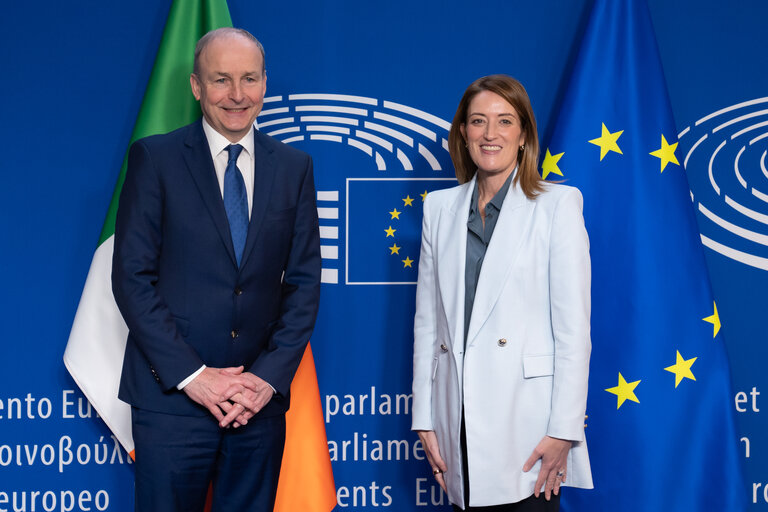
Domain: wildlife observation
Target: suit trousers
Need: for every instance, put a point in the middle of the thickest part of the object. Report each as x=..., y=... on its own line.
x=178, y=457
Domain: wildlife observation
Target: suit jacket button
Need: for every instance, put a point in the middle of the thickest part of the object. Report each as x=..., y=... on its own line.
x=234, y=333
x=443, y=348
x=502, y=342
x=238, y=291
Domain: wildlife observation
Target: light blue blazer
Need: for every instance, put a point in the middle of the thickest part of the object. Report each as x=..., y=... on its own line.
x=523, y=374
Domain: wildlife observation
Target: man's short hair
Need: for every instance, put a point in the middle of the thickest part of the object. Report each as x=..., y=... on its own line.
x=225, y=31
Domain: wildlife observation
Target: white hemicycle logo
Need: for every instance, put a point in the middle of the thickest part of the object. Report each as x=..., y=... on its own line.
x=731, y=145
x=408, y=151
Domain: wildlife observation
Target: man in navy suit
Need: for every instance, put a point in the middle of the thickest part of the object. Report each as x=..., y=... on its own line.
x=216, y=271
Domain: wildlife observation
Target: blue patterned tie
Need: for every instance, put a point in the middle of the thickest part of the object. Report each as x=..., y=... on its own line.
x=236, y=201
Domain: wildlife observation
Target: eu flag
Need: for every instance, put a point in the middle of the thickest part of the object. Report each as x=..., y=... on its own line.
x=384, y=228
x=659, y=422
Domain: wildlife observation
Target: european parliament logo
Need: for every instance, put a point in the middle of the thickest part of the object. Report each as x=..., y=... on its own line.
x=728, y=151
x=370, y=209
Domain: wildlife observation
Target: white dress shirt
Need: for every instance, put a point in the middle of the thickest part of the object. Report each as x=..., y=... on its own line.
x=245, y=163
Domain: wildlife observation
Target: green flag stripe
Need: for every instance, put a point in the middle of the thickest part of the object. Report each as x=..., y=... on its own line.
x=168, y=102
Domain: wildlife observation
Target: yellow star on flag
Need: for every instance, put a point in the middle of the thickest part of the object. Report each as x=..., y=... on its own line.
x=550, y=165
x=395, y=214
x=408, y=200
x=714, y=319
x=390, y=231
x=423, y=196
x=607, y=142
x=624, y=391
x=666, y=153
x=682, y=369
x=394, y=249
x=407, y=262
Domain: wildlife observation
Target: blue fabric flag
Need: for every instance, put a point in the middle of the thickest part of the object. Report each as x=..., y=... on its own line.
x=660, y=428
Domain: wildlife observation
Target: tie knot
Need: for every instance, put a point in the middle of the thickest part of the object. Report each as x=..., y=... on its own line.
x=234, y=152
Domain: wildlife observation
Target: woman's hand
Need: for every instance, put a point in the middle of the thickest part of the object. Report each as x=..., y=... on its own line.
x=429, y=440
x=554, y=460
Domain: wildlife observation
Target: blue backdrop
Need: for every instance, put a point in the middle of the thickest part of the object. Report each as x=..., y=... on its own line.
x=74, y=81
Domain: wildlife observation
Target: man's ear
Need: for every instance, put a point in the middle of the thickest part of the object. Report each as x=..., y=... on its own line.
x=194, y=82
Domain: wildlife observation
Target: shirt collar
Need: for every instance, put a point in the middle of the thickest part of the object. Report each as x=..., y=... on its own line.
x=498, y=199
x=218, y=143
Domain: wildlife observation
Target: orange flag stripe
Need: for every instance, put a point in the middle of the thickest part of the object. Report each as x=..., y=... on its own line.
x=306, y=477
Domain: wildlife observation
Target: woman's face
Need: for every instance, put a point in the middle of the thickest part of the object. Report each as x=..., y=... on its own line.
x=493, y=133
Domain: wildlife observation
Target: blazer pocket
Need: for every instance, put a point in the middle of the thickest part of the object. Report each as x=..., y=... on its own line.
x=538, y=366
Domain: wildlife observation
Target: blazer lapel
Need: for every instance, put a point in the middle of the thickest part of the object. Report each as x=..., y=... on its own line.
x=514, y=218
x=265, y=167
x=452, y=241
x=197, y=156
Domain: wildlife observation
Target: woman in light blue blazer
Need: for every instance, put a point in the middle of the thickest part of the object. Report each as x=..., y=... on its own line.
x=501, y=335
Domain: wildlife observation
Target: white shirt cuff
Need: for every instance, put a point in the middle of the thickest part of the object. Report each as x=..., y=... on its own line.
x=189, y=379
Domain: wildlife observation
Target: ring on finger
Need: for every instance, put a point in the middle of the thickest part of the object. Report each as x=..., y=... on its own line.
x=560, y=474
x=436, y=471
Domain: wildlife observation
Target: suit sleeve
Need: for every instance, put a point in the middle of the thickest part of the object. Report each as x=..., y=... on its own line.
x=300, y=294
x=424, y=329
x=570, y=282
x=138, y=241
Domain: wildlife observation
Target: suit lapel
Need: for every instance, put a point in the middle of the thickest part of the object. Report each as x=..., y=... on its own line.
x=514, y=219
x=452, y=241
x=197, y=156
x=265, y=167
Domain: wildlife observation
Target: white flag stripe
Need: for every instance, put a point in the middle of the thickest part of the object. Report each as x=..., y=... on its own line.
x=96, y=345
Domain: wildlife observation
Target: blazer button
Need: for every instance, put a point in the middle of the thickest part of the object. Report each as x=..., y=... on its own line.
x=443, y=348
x=502, y=342
x=234, y=333
x=238, y=291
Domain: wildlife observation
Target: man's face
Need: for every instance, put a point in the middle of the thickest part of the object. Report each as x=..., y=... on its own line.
x=231, y=85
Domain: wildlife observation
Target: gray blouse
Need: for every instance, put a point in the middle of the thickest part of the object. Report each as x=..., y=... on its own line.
x=478, y=239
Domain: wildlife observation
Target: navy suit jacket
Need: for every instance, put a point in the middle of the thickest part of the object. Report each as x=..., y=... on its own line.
x=177, y=283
